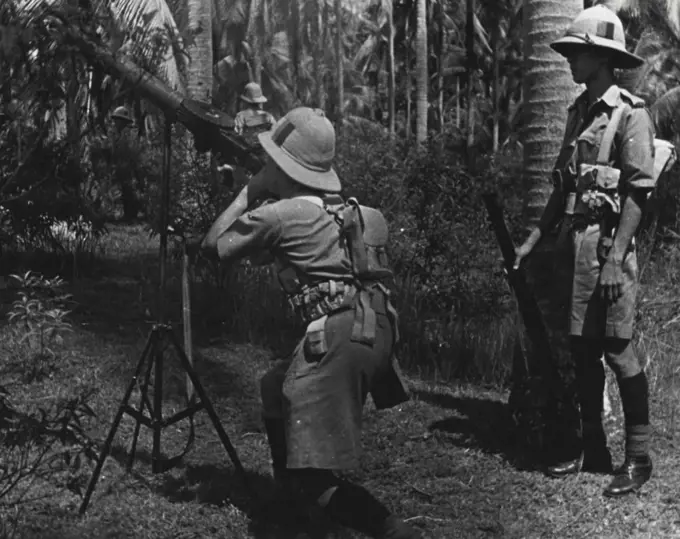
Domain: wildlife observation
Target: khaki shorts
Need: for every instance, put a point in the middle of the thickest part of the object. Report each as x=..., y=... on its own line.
x=321, y=398
x=592, y=316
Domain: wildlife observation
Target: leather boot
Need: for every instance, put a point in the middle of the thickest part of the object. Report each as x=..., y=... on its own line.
x=395, y=528
x=354, y=507
x=597, y=458
x=566, y=467
x=634, y=473
x=594, y=458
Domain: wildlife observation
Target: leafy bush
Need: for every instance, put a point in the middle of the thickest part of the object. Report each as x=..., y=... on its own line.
x=42, y=447
x=37, y=322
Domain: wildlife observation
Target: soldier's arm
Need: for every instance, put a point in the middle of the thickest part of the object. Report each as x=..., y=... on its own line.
x=256, y=189
x=256, y=231
x=637, y=175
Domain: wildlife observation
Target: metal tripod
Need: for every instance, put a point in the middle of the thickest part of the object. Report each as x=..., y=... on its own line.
x=153, y=357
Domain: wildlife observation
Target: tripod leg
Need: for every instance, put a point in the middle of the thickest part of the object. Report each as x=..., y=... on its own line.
x=142, y=402
x=157, y=415
x=211, y=412
x=116, y=421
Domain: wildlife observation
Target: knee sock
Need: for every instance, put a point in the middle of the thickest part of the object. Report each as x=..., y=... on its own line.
x=635, y=400
x=276, y=434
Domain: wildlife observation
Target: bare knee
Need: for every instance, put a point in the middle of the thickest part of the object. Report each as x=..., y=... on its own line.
x=621, y=357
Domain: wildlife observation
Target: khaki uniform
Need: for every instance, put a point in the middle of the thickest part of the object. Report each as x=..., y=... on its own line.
x=253, y=120
x=319, y=394
x=633, y=154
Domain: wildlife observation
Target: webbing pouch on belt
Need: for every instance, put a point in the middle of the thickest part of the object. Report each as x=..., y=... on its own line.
x=365, y=321
x=315, y=337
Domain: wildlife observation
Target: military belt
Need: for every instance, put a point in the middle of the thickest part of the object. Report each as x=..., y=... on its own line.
x=328, y=297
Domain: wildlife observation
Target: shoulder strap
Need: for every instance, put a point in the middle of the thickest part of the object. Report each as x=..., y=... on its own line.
x=609, y=134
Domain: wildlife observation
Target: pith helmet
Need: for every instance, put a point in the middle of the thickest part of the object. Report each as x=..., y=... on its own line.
x=302, y=144
x=122, y=114
x=599, y=27
x=253, y=93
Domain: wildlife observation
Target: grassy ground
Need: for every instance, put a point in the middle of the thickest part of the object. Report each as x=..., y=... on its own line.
x=447, y=460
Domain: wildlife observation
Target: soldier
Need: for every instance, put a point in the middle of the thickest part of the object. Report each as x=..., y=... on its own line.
x=126, y=150
x=332, y=274
x=121, y=119
x=603, y=176
x=252, y=116
x=249, y=122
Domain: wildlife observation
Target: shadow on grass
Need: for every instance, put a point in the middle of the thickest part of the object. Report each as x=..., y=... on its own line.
x=484, y=424
x=270, y=516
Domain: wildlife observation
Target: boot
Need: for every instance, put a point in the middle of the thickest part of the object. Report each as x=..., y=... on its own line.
x=395, y=528
x=597, y=458
x=634, y=473
x=354, y=507
x=594, y=456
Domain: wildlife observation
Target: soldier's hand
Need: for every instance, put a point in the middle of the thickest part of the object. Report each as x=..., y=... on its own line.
x=611, y=281
x=521, y=253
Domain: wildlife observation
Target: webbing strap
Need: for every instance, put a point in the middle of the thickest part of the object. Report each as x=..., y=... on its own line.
x=608, y=137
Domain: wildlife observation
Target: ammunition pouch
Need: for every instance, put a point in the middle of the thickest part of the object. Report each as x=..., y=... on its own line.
x=322, y=299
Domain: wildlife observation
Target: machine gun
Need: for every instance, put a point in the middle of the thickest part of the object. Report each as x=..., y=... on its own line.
x=212, y=128
x=536, y=329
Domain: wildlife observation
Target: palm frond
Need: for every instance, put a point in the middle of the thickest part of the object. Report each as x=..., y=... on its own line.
x=152, y=17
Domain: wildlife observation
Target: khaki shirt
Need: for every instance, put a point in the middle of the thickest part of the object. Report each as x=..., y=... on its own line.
x=250, y=119
x=297, y=232
x=633, y=148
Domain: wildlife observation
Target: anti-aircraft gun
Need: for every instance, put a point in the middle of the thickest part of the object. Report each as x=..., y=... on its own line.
x=212, y=128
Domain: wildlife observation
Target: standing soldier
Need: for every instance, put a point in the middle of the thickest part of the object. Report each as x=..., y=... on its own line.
x=125, y=157
x=249, y=122
x=602, y=178
x=252, y=117
x=334, y=277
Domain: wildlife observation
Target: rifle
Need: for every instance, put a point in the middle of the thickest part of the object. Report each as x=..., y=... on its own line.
x=212, y=128
x=526, y=301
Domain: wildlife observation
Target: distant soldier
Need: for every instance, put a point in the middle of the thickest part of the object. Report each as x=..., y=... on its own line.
x=252, y=119
x=602, y=178
x=122, y=119
x=125, y=157
x=249, y=122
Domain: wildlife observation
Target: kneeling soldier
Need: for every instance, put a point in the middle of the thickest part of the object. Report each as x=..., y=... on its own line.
x=331, y=262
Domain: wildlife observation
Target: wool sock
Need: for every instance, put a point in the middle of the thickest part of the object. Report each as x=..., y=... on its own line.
x=276, y=435
x=635, y=400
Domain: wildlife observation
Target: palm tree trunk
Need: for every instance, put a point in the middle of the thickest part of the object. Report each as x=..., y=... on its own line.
x=339, y=59
x=200, y=69
x=390, y=69
x=458, y=101
x=471, y=70
x=440, y=65
x=407, y=76
x=421, y=72
x=319, y=64
x=547, y=90
x=496, y=85
x=254, y=37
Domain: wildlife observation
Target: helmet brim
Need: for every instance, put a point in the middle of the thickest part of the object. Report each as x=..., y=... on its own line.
x=621, y=58
x=253, y=100
x=124, y=119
